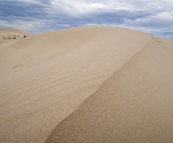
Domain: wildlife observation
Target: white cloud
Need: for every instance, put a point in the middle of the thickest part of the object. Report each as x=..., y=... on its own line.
x=80, y=7
x=144, y=15
x=31, y=25
x=161, y=22
x=157, y=15
x=24, y=1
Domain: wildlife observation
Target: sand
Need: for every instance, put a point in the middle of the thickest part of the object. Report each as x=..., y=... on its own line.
x=88, y=84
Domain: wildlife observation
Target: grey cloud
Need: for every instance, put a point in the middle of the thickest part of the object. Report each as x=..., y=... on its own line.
x=155, y=17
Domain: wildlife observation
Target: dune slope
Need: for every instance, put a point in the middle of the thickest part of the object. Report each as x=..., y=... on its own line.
x=134, y=105
x=46, y=77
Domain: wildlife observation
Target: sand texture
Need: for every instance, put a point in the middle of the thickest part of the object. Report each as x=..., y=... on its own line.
x=133, y=106
x=88, y=84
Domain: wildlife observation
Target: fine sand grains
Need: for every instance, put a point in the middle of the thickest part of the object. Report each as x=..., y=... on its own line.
x=46, y=77
x=133, y=106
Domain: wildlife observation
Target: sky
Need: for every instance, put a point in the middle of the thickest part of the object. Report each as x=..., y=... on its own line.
x=154, y=17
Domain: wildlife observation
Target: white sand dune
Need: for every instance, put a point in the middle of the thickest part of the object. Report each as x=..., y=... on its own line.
x=134, y=105
x=46, y=77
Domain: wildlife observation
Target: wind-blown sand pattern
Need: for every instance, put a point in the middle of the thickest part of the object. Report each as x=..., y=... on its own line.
x=88, y=84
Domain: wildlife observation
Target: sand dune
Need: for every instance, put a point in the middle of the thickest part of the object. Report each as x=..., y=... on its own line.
x=134, y=105
x=46, y=77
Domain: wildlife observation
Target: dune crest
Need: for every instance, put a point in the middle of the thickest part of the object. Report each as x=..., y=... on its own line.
x=134, y=105
x=46, y=77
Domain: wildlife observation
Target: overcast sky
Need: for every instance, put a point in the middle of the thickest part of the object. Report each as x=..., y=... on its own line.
x=154, y=17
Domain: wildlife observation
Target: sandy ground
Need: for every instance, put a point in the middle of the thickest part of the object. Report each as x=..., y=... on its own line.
x=98, y=84
x=134, y=105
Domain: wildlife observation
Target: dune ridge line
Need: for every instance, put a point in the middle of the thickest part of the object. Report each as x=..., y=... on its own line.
x=133, y=105
x=55, y=73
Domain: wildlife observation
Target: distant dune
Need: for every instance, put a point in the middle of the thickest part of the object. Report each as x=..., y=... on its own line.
x=87, y=84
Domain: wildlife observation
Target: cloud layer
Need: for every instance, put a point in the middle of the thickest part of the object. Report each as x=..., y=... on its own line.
x=154, y=17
